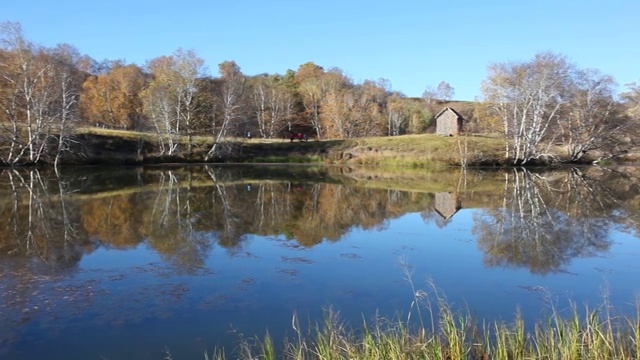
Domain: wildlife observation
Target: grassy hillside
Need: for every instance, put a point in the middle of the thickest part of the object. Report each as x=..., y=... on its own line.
x=113, y=146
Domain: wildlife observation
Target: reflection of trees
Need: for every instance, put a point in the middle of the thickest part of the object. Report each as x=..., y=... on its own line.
x=545, y=221
x=35, y=222
x=617, y=191
x=311, y=213
x=168, y=223
x=308, y=212
x=230, y=212
x=114, y=220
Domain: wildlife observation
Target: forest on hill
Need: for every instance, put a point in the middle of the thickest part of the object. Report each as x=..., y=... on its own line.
x=50, y=95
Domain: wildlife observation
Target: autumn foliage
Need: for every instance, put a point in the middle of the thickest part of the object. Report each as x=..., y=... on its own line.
x=47, y=93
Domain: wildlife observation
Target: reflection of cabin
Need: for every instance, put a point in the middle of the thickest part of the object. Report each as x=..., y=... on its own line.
x=447, y=204
x=449, y=122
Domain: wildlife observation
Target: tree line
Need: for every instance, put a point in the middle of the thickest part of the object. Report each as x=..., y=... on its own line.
x=47, y=93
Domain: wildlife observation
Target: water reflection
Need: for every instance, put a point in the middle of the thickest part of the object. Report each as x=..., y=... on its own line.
x=447, y=204
x=38, y=219
x=547, y=219
x=172, y=220
x=537, y=220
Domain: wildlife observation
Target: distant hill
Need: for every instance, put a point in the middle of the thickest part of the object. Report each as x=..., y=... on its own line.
x=466, y=108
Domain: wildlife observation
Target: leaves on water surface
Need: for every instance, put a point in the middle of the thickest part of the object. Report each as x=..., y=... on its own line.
x=296, y=260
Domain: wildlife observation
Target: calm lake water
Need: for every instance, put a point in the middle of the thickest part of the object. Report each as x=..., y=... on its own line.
x=112, y=263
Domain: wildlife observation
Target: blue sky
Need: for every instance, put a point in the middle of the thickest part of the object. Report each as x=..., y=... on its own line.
x=411, y=43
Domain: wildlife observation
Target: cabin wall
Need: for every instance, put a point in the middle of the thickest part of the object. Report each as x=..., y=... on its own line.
x=448, y=124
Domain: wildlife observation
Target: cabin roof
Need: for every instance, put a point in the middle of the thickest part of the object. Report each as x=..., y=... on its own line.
x=450, y=109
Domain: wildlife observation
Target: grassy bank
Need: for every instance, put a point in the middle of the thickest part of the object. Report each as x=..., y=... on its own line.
x=585, y=334
x=98, y=146
x=114, y=146
x=407, y=150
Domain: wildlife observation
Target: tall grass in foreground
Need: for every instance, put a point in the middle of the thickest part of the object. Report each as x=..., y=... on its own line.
x=584, y=334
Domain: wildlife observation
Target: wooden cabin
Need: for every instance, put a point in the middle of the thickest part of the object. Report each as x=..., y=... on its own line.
x=449, y=122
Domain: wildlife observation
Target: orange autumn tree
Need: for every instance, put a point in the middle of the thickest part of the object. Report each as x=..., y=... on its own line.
x=113, y=99
x=311, y=89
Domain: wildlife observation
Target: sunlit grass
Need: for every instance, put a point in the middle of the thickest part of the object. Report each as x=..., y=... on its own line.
x=141, y=135
x=426, y=150
x=585, y=333
x=287, y=159
x=411, y=151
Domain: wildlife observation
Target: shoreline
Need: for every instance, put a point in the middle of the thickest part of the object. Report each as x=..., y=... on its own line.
x=416, y=151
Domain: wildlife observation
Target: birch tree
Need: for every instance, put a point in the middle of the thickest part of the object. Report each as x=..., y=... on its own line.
x=336, y=115
x=430, y=96
x=189, y=67
x=528, y=97
x=169, y=100
x=445, y=91
x=230, y=98
x=39, y=89
x=24, y=69
x=397, y=119
x=592, y=121
x=631, y=104
x=160, y=102
x=312, y=90
x=67, y=81
x=272, y=104
x=632, y=99
x=370, y=107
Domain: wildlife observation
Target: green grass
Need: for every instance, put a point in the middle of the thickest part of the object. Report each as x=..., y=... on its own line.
x=287, y=159
x=146, y=136
x=588, y=333
x=424, y=150
x=409, y=151
x=412, y=151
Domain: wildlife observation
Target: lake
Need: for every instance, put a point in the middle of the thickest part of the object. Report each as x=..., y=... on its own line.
x=139, y=262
